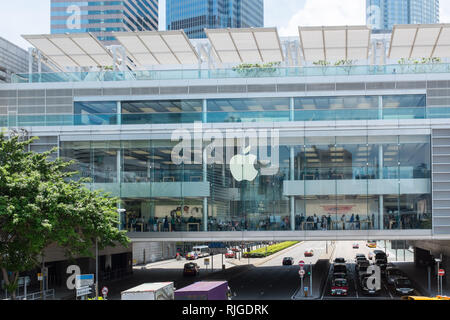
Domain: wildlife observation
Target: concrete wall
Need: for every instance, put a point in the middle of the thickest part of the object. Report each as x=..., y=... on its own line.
x=145, y=252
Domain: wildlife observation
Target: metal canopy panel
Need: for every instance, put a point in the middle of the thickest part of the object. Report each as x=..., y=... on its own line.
x=420, y=41
x=335, y=43
x=158, y=47
x=246, y=45
x=72, y=50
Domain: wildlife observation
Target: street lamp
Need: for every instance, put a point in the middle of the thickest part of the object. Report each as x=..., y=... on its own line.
x=438, y=261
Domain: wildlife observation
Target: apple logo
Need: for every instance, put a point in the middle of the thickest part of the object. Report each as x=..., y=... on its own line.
x=242, y=166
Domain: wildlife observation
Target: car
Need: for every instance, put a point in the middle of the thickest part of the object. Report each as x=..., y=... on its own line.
x=339, y=260
x=339, y=287
x=230, y=254
x=363, y=282
x=191, y=269
x=362, y=266
x=191, y=255
x=371, y=244
x=309, y=253
x=236, y=249
x=339, y=268
x=373, y=253
x=360, y=255
x=339, y=275
x=359, y=259
x=288, y=261
x=393, y=274
x=356, y=245
x=403, y=286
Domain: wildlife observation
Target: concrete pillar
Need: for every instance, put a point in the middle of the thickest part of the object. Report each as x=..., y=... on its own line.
x=205, y=199
x=119, y=112
x=291, y=177
x=380, y=176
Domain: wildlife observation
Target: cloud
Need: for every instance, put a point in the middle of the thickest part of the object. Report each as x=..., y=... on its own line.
x=326, y=13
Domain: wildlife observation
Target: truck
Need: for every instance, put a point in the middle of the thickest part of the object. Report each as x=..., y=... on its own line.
x=204, y=290
x=150, y=291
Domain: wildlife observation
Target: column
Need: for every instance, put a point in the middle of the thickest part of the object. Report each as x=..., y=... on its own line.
x=380, y=176
x=119, y=112
x=205, y=171
x=291, y=178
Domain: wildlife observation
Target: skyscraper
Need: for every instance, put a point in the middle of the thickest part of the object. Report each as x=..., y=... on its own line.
x=193, y=16
x=102, y=18
x=384, y=14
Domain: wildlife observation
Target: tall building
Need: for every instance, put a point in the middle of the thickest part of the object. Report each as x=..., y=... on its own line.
x=384, y=14
x=193, y=16
x=102, y=18
x=14, y=59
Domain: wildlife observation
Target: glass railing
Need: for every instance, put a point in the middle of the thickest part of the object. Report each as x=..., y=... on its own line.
x=189, y=74
x=220, y=117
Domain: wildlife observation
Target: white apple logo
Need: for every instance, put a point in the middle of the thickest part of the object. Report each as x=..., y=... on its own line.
x=242, y=166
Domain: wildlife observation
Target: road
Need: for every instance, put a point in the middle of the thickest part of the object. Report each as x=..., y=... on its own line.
x=345, y=250
x=262, y=279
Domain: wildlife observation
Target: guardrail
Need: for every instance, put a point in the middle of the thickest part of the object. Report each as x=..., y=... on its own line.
x=38, y=295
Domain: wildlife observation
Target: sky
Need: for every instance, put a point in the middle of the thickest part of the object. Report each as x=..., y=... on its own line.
x=20, y=17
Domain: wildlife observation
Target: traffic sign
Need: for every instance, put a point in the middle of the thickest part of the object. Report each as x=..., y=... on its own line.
x=84, y=291
x=441, y=272
x=301, y=263
x=206, y=261
x=84, y=280
x=104, y=291
x=301, y=273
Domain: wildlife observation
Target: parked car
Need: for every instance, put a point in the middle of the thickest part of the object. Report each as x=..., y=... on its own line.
x=356, y=245
x=191, y=255
x=230, y=254
x=288, y=261
x=403, y=286
x=309, y=253
x=393, y=274
x=191, y=269
x=339, y=260
x=339, y=287
x=237, y=249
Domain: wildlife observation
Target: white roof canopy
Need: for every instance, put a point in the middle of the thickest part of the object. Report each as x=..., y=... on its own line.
x=335, y=43
x=420, y=41
x=72, y=50
x=246, y=45
x=158, y=47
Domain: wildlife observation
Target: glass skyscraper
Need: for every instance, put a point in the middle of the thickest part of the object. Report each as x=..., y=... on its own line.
x=193, y=16
x=384, y=14
x=104, y=17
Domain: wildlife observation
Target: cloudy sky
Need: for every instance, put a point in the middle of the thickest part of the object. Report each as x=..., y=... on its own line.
x=33, y=16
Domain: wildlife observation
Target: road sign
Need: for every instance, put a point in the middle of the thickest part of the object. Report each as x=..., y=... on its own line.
x=104, y=291
x=84, y=291
x=206, y=261
x=40, y=277
x=84, y=280
x=441, y=272
x=301, y=273
x=301, y=263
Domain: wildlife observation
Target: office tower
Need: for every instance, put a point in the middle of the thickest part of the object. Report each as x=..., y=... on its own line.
x=384, y=14
x=193, y=16
x=102, y=18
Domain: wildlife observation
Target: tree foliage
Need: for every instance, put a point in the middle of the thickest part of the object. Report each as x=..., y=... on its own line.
x=40, y=204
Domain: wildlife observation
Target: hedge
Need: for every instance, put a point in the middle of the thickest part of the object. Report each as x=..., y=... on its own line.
x=262, y=252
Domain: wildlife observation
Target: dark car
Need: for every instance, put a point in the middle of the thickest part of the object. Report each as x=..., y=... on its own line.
x=288, y=261
x=361, y=259
x=393, y=274
x=339, y=260
x=339, y=268
x=362, y=266
x=191, y=269
x=403, y=286
x=339, y=275
x=360, y=256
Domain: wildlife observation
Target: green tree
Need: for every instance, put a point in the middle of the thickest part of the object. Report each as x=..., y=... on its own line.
x=40, y=204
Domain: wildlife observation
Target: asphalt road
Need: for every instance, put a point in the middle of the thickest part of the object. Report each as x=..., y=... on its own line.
x=344, y=249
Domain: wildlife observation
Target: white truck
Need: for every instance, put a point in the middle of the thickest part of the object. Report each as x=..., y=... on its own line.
x=150, y=291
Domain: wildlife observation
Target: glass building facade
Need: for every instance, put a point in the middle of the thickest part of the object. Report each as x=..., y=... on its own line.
x=334, y=182
x=384, y=14
x=193, y=16
x=103, y=17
